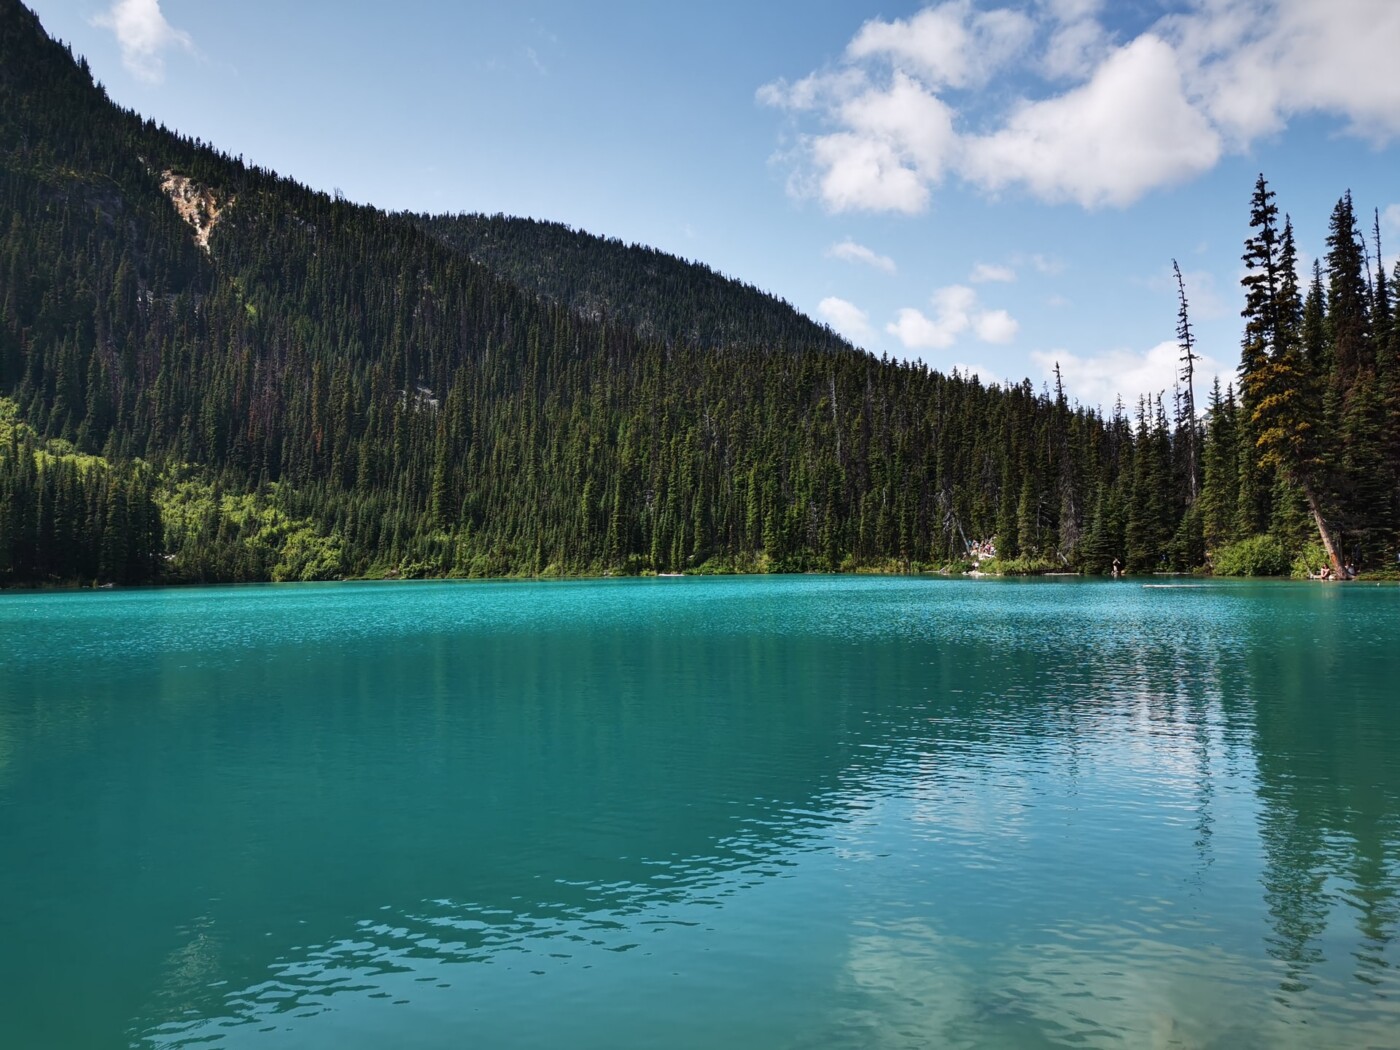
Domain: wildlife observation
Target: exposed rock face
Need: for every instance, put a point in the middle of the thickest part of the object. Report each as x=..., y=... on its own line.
x=420, y=399
x=196, y=205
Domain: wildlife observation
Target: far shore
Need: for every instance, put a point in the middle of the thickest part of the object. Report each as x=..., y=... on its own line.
x=56, y=586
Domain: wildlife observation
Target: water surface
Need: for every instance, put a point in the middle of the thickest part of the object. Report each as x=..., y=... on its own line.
x=760, y=812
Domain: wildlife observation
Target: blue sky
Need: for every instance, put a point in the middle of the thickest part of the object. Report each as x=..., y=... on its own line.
x=996, y=186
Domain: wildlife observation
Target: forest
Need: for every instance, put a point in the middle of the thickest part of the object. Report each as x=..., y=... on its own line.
x=209, y=372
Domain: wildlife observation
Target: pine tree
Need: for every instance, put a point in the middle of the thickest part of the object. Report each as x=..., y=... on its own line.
x=1220, y=470
x=1282, y=417
x=1188, y=426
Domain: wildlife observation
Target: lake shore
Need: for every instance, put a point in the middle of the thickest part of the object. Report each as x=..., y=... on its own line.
x=545, y=577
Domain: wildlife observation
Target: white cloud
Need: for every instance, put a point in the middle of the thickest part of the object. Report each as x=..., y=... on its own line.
x=916, y=124
x=955, y=311
x=917, y=331
x=935, y=42
x=1125, y=132
x=813, y=91
x=1390, y=226
x=1086, y=119
x=947, y=46
x=144, y=36
x=984, y=272
x=1074, y=50
x=846, y=318
x=853, y=252
x=866, y=174
x=1390, y=219
x=1257, y=63
x=899, y=142
x=1127, y=374
x=996, y=326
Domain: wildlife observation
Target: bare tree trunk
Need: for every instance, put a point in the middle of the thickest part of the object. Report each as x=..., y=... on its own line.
x=1324, y=532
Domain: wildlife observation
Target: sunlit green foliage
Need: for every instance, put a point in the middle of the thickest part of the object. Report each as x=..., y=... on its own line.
x=1261, y=555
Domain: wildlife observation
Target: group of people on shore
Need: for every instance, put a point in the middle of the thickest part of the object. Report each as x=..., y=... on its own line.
x=1326, y=573
x=983, y=549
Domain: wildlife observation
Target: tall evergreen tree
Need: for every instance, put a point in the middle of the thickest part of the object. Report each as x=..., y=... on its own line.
x=1282, y=418
x=1187, y=424
x=1220, y=470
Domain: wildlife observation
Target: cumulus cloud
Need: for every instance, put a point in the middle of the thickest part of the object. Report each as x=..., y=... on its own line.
x=1390, y=226
x=815, y=91
x=1257, y=63
x=985, y=272
x=916, y=331
x=1074, y=50
x=1126, y=374
x=951, y=45
x=853, y=252
x=846, y=318
x=902, y=146
x=955, y=310
x=996, y=326
x=1083, y=117
x=866, y=174
x=1128, y=130
x=144, y=36
x=1390, y=219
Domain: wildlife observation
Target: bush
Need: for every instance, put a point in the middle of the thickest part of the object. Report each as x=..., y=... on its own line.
x=1027, y=565
x=1310, y=561
x=1256, y=556
x=1390, y=573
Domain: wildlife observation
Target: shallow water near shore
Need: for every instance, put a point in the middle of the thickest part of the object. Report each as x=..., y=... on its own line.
x=750, y=812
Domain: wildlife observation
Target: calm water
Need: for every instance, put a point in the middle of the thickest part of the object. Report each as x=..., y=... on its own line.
x=786, y=812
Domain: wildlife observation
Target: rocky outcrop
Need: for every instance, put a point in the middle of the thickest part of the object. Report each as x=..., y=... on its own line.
x=197, y=205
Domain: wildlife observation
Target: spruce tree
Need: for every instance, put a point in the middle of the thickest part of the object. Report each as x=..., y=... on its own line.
x=1277, y=387
x=1187, y=424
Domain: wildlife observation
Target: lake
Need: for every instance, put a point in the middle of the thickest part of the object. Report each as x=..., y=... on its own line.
x=739, y=812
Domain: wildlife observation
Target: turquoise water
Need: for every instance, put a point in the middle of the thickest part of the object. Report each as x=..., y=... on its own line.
x=770, y=812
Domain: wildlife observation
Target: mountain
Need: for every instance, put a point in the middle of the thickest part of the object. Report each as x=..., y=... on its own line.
x=664, y=298
x=211, y=372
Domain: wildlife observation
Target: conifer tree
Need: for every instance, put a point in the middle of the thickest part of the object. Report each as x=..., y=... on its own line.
x=1282, y=421
x=1220, y=471
x=1187, y=424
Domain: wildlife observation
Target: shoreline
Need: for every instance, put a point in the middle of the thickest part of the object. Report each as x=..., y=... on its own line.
x=975, y=574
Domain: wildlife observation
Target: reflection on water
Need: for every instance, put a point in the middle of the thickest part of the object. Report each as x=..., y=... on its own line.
x=775, y=812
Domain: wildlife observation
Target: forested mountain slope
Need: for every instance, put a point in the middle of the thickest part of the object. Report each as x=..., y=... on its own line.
x=210, y=372
x=665, y=298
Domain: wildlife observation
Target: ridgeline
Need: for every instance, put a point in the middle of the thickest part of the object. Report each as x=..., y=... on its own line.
x=209, y=372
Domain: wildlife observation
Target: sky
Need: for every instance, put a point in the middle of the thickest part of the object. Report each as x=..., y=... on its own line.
x=997, y=187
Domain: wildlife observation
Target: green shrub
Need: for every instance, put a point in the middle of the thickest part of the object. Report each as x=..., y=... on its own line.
x=1024, y=566
x=1310, y=560
x=1256, y=556
x=1390, y=572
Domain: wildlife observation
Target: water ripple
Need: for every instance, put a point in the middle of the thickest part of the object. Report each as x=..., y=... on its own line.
x=802, y=812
